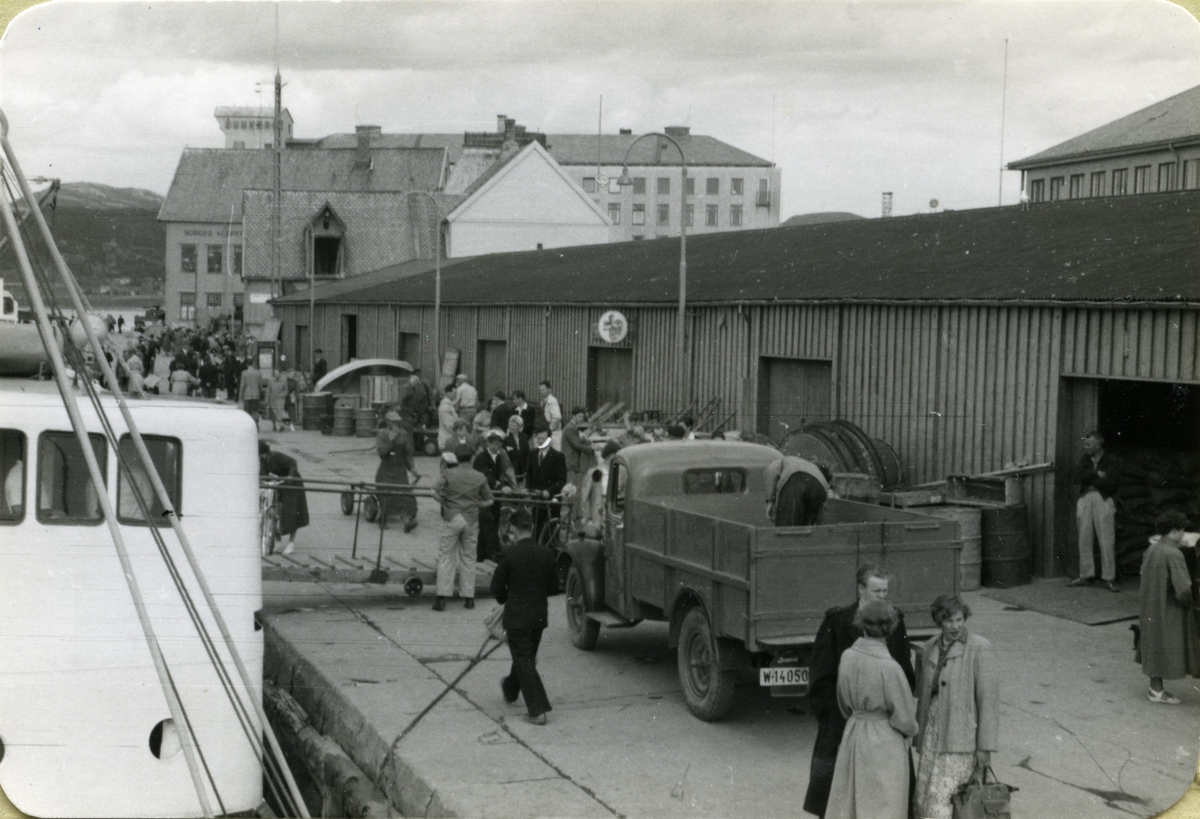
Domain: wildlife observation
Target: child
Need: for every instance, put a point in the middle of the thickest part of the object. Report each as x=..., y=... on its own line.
x=1168, y=648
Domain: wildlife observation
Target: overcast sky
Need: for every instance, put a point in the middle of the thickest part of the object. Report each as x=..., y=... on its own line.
x=849, y=99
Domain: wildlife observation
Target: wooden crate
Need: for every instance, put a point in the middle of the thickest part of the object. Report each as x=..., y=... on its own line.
x=984, y=490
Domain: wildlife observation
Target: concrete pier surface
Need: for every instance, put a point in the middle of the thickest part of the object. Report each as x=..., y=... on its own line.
x=413, y=698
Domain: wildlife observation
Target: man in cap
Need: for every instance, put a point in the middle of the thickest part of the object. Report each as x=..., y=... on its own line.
x=463, y=492
x=492, y=462
x=320, y=366
x=545, y=475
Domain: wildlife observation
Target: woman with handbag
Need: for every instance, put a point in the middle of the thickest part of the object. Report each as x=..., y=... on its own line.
x=958, y=709
x=870, y=776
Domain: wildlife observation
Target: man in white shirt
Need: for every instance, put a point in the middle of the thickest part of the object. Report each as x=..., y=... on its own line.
x=552, y=412
x=466, y=398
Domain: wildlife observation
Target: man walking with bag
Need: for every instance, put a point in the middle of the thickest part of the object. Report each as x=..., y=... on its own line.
x=523, y=579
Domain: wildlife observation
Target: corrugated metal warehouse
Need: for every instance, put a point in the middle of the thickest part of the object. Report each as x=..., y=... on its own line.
x=966, y=340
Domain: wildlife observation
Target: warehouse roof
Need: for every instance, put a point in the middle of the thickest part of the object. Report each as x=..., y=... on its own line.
x=208, y=182
x=1174, y=119
x=1128, y=248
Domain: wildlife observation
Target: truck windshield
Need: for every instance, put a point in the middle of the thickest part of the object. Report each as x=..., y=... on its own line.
x=713, y=481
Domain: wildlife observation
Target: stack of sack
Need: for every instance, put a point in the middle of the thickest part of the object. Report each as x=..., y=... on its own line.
x=1153, y=481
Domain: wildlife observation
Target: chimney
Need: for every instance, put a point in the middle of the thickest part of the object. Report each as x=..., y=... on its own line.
x=678, y=130
x=500, y=120
x=362, y=156
x=626, y=132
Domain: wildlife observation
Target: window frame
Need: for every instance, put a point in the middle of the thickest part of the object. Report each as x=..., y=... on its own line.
x=716, y=472
x=689, y=189
x=735, y=216
x=1170, y=170
x=175, y=491
x=102, y=457
x=215, y=253
x=1120, y=177
x=1097, y=183
x=1037, y=190
x=737, y=186
x=237, y=260
x=212, y=301
x=664, y=186
x=639, y=186
x=712, y=186
x=614, y=184
x=588, y=184
x=1056, y=188
x=1075, y=186
x=1141, y=179
x=689, y=215
x=188, y=258
x=24, y=459
x=187, y=305
x=663, y=214
x=614, y=212
x=711, y=216
x=638, y=217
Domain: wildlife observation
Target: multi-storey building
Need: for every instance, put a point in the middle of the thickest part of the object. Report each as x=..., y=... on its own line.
x=1153, y=150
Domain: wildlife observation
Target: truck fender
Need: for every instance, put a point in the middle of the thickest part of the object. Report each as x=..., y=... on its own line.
x=588, y=555
x=731, y=654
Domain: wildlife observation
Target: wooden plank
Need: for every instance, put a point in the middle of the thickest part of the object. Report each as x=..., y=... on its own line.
x=1100, y=340
x=1022, y=373
x=1189, y=355
x=1171, y=369
x=1145, y=334
x=1158, y=358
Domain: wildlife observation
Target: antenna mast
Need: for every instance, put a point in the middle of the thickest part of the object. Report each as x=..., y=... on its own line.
x=1003, y=106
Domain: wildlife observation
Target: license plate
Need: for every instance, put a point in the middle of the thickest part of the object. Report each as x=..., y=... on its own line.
x=783, y=675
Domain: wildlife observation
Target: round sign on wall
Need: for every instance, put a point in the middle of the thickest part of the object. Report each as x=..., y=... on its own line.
x=613, y=326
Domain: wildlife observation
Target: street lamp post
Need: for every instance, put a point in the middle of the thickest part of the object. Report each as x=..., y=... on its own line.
x=683, y=367
x=437, y=284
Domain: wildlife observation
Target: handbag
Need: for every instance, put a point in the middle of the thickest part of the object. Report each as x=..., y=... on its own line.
x=494, y=623
x=980, y=799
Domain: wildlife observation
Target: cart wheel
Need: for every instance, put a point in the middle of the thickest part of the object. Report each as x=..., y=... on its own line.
x=371, y=508
x=413, y=586
x=347, y=503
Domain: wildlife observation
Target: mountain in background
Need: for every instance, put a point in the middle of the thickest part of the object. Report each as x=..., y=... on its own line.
x=821, y=218
x=110, y=238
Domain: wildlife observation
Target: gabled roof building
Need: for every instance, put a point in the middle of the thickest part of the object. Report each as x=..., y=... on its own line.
x=1153, y=150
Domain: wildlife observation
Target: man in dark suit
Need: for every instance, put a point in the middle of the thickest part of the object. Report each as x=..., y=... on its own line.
x=320, y=367
x=501, y=411
x=523, y=579
x=836, y=634
x=492, y=463
x=526, y=411
x=545, y=475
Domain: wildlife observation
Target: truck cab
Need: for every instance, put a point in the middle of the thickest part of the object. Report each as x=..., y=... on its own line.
x=687, y=540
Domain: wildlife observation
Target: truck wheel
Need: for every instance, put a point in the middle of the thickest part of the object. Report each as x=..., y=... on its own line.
x=584, y=630
x=707, y=689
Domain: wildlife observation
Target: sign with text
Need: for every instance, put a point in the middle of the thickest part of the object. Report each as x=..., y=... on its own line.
x=612, y=327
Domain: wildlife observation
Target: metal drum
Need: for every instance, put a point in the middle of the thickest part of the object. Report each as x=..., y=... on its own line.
x=970, y=533
x=343, y=419
x=1007, y=556
x=312, y=407
x=365, y=422
x=379, y=389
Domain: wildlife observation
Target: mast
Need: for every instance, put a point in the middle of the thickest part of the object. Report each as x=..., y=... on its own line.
x=276, y=210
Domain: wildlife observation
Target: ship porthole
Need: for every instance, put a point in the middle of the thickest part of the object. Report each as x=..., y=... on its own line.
x=164, y=740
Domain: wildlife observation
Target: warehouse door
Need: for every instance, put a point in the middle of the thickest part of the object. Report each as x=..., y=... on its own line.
x=349, y=337
x=408, y=348
x=491, y=369
x=300, y=354
x=791, y=393
x=609, y=377
x=1154, y=429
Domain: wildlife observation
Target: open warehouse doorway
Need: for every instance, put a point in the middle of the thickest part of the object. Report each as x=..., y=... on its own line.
x=1154, y=428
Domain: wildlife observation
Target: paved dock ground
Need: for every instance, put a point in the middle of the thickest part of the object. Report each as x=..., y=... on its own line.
x=373, y=667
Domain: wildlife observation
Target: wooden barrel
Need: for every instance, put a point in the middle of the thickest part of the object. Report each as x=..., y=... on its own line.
x=365, y=422
x=343, y=419
x=1007, y=556
x=970, y=533
x=312, y=407
x=327, y=410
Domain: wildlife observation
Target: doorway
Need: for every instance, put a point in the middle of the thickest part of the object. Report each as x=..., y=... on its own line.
x=1153, y=427
x=408, y=348
x=349, y=337
x=793, y=392
x=491, y=369
x=609, y=376
x=300, y=354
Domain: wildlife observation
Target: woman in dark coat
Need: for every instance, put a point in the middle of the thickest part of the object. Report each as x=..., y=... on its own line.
x=394, y=447
x=1168, y=648
x=293, y=503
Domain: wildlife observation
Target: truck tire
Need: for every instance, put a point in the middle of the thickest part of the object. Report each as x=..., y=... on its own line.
x=707, y=689
x=584, y=630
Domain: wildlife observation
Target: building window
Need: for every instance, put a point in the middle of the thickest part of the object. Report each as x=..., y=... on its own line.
x=614, y=212
x=664, y=215
x=327, y=256
x=690, y=188
x=1076, y=191
x=638, y=237
x=639, y=184
x=1037, y=190
x=639, y=214
x=1191, y=174
x=710, y=215
x=1141, y=179
x=1166, y=176
x=664, y=185
x=1120, y=182
x=1056, y=186
x=187, y=258
x=1098, y=183
x=237, y=260
x=589, y=184
x=689, y=215
x=735, y=186
x=65, y=490
x=712, y=186
x=613, y=185
x=215, y=252
x=764, y=193
x=735, y=215
x=187, y=306
x=239, y=305
x=213, y=301
x=166, y=455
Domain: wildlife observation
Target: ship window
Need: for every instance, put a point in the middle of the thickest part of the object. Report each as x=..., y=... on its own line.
x=12, y=469
x=616, y=488
x=714, y=481
x=65, y=491
x=166, y=455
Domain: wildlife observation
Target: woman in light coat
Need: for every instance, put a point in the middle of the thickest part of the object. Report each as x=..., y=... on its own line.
x=958, y=709
x=870, y=776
